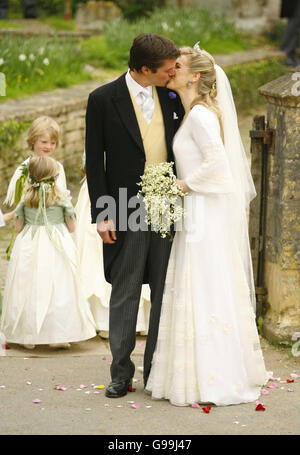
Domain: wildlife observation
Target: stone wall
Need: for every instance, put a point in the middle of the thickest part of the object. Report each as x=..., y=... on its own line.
x=254, y=16
x=93, y=14
x=282, y=251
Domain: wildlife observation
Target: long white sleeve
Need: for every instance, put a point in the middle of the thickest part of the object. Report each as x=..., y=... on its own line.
x=213, y=175
x=2, y=222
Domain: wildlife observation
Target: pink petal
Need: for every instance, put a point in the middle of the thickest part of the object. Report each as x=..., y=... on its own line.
x=290, y=390
x=140, y=343
x=135, y=406
x=295, y=375
x=60, y=387
x=36, y=401
x=264, y=392
x=82, y=386
x=195, y=405
x=272, y=385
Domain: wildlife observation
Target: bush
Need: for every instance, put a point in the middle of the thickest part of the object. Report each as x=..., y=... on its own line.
x=133, y=9
x=246, y=79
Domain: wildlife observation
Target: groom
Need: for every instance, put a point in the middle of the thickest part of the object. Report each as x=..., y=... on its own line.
x=131, y=123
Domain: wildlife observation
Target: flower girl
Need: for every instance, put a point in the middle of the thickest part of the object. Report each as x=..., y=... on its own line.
x=42, y=139
x=43, y=301
x=89, y=245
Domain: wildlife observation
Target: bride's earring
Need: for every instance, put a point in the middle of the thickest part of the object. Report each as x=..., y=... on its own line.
x=189, y=84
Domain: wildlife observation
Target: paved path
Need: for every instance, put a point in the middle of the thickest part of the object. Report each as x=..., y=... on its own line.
x=83, y=409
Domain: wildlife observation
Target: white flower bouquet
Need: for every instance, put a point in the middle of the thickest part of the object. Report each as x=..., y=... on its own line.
x=162, y=197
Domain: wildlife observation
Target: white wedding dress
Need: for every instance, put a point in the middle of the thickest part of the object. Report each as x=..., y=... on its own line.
x=208, y=349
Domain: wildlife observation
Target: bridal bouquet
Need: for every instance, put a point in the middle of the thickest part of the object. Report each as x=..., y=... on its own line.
x=162, y=197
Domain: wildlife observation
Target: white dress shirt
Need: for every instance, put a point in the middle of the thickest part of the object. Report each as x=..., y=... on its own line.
x=136, y=89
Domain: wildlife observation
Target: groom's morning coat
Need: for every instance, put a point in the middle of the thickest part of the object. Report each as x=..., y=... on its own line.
x=115, y=156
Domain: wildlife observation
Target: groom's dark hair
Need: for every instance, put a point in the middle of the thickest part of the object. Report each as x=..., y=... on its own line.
x=150, y=49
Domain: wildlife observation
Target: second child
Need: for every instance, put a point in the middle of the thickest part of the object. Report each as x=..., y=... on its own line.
x=43, y=300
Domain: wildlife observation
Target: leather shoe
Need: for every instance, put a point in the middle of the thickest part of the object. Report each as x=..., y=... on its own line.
x=292, y=61
x=118, y=389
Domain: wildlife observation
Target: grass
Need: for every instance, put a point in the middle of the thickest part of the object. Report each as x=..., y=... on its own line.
x=39, y=63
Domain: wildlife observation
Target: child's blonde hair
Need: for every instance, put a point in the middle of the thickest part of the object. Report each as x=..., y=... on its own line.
x=40, y=126
x=42, y=169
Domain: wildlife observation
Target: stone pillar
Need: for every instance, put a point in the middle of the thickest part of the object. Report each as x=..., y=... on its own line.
x=282, y=253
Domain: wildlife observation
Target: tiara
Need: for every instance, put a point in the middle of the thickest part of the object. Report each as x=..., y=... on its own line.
x=197, y=48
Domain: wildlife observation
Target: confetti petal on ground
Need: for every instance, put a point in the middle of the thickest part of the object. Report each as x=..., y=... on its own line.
x=196, y=405
x=295, y=375
x=140, y=343
x=99, y=386
x=28, y=382
x=131, y=389
x=60, y=387
x=265, y=392
x=135, y=406
x=207, y=409
x=290, y=380
x=290, y=390
x=259, y=406
x=82, y=386
x=36, y=401
x=148, y=406
x=272, y=386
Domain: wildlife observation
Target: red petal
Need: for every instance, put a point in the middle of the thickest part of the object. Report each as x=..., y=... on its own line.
x=290, y=380
x=260, y=407
x=131, y=389
x=207, y=409
x=5, y=346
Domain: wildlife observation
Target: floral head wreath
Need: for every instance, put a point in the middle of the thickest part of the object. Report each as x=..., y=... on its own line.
x=47, y=184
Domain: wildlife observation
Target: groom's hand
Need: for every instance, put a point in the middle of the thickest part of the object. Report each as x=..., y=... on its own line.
x=107, y=231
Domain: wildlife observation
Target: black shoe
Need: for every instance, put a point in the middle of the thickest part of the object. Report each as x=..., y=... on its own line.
x=292, y=61
x=118, y=389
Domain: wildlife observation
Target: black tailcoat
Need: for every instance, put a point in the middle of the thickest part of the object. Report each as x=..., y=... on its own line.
x=288, y=7
x=115, y=156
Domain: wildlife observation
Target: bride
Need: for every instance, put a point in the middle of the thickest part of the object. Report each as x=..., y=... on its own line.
x=208, y=348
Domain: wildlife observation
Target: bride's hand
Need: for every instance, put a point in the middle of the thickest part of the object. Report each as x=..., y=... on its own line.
x=182, y=185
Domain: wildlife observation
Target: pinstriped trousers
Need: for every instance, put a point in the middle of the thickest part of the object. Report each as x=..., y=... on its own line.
x=140, y=250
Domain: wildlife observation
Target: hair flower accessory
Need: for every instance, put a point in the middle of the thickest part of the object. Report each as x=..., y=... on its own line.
x=172, y=95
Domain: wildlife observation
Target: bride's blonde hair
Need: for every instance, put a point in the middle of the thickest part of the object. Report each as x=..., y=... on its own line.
x=203, y=63
x=41, y=169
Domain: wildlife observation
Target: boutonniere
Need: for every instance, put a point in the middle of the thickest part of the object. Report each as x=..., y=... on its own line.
x=172, y=95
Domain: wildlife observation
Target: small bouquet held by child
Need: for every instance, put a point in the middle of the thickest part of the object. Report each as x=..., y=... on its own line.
x=162, y=197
